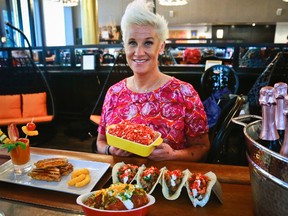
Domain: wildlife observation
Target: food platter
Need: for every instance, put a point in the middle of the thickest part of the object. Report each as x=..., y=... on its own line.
x=97, y=170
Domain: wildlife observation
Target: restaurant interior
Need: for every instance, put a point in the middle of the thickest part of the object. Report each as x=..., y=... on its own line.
x=74, y=62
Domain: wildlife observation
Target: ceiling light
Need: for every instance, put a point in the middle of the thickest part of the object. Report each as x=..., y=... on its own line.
x=285, y=0
x=172, y=2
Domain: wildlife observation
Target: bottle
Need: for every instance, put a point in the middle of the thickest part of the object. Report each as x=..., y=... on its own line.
x=3, y=138
x=284, y=148
x=280, y=92
x=269, y=136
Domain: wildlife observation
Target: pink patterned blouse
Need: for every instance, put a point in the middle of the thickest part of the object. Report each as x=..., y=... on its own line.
x=175, y=110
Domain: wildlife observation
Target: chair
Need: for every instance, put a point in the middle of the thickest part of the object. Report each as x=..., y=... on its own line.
x=27, y=84
x=276, y=71
x=108, y=58
x=225, y=146
x=218, y=77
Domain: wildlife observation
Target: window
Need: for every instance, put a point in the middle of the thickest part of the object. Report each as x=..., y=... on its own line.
x=54, y=23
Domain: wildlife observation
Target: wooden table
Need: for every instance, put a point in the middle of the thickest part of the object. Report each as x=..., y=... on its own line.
x=234, y=180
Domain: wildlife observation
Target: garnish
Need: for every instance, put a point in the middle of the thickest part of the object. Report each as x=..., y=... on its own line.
x=11, y=146
x=30, y=129
x=31, y=126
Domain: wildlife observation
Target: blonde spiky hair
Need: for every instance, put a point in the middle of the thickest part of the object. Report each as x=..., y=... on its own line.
x=140, y=12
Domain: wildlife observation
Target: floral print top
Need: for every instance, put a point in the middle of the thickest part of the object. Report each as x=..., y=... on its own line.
x=175, y=110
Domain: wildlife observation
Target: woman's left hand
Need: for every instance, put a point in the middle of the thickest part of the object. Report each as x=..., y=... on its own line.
x=162, y=152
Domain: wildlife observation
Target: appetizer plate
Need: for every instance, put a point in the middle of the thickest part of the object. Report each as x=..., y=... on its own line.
x=133, y=147
x=97, y=170
x=89, y=211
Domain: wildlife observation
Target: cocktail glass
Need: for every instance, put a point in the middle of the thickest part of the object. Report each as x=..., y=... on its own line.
x=21, y=157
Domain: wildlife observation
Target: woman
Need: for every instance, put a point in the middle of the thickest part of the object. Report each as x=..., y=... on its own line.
x=164, y=103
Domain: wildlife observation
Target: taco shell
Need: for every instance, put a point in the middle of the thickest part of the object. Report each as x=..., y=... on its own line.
x=138, y=178
x=206, y=197
x=115, y=169
x=165, y=190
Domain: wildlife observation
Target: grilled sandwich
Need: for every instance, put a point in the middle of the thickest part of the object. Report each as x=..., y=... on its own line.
x=66, y=170
x=48, y=174
x=51, y=162
x=51, y=169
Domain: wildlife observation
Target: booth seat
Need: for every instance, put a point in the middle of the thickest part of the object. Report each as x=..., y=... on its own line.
x=95, y=118
x=23, y=108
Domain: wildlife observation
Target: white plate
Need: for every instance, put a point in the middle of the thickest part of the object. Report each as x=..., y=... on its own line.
x=97, y=170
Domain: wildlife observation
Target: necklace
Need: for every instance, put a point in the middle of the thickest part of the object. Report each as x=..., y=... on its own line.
x=148, y=89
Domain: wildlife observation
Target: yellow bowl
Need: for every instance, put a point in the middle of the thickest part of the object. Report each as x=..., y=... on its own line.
x=133, y=147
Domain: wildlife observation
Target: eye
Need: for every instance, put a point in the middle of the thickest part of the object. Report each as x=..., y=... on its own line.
x=149, y=43
x=132, y=43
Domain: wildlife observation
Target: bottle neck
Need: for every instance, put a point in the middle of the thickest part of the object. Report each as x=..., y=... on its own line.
x=279, y=114
x=284, y=148
x=268, y=129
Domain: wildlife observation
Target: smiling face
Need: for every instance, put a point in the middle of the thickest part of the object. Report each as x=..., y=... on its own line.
x=142, y=47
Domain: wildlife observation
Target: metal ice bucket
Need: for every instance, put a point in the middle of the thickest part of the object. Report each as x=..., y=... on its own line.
x=268, y=172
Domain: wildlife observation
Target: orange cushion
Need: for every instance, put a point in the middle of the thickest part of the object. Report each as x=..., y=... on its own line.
x=95, y=118
x=34, y=105
x=7, y=121
x=10, y=106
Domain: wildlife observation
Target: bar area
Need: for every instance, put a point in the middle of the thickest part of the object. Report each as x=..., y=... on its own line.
x=62, y=66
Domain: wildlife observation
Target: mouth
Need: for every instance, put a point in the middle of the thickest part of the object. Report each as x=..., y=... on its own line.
x=139, y=60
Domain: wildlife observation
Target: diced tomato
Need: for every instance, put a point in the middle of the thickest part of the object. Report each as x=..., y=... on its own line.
x=128, y=172
x=198, y=182
x=138, y=133
x=177, y=173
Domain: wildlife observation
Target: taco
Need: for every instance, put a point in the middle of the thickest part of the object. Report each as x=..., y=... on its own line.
x=124, y=173
x=172, y=182
x=199, y=187
x=148, y=177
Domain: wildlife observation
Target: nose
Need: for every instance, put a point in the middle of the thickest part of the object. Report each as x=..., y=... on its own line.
x=139, y=50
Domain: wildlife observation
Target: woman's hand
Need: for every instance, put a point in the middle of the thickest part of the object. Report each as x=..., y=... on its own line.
x=118, y=152
x=101, y=145
x=162, y=152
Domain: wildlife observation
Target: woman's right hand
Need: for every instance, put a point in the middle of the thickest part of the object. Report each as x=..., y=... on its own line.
x=118, y=152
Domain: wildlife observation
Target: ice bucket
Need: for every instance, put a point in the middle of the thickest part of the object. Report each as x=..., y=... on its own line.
x=268, y=172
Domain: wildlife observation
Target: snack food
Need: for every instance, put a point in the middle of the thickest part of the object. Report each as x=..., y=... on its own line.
x=138, y=133
x=79, y=172
x=51, y=162
x=118, y=197
x=84, y=182
x=172, y=182
x=148, y=177
x=51, y=169
x=66, y=169
x=49, y=174
x=80, y=177
x=199, y=187
x=124, y=173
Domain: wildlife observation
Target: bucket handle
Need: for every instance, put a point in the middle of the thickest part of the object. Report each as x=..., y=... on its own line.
x=240, y=119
